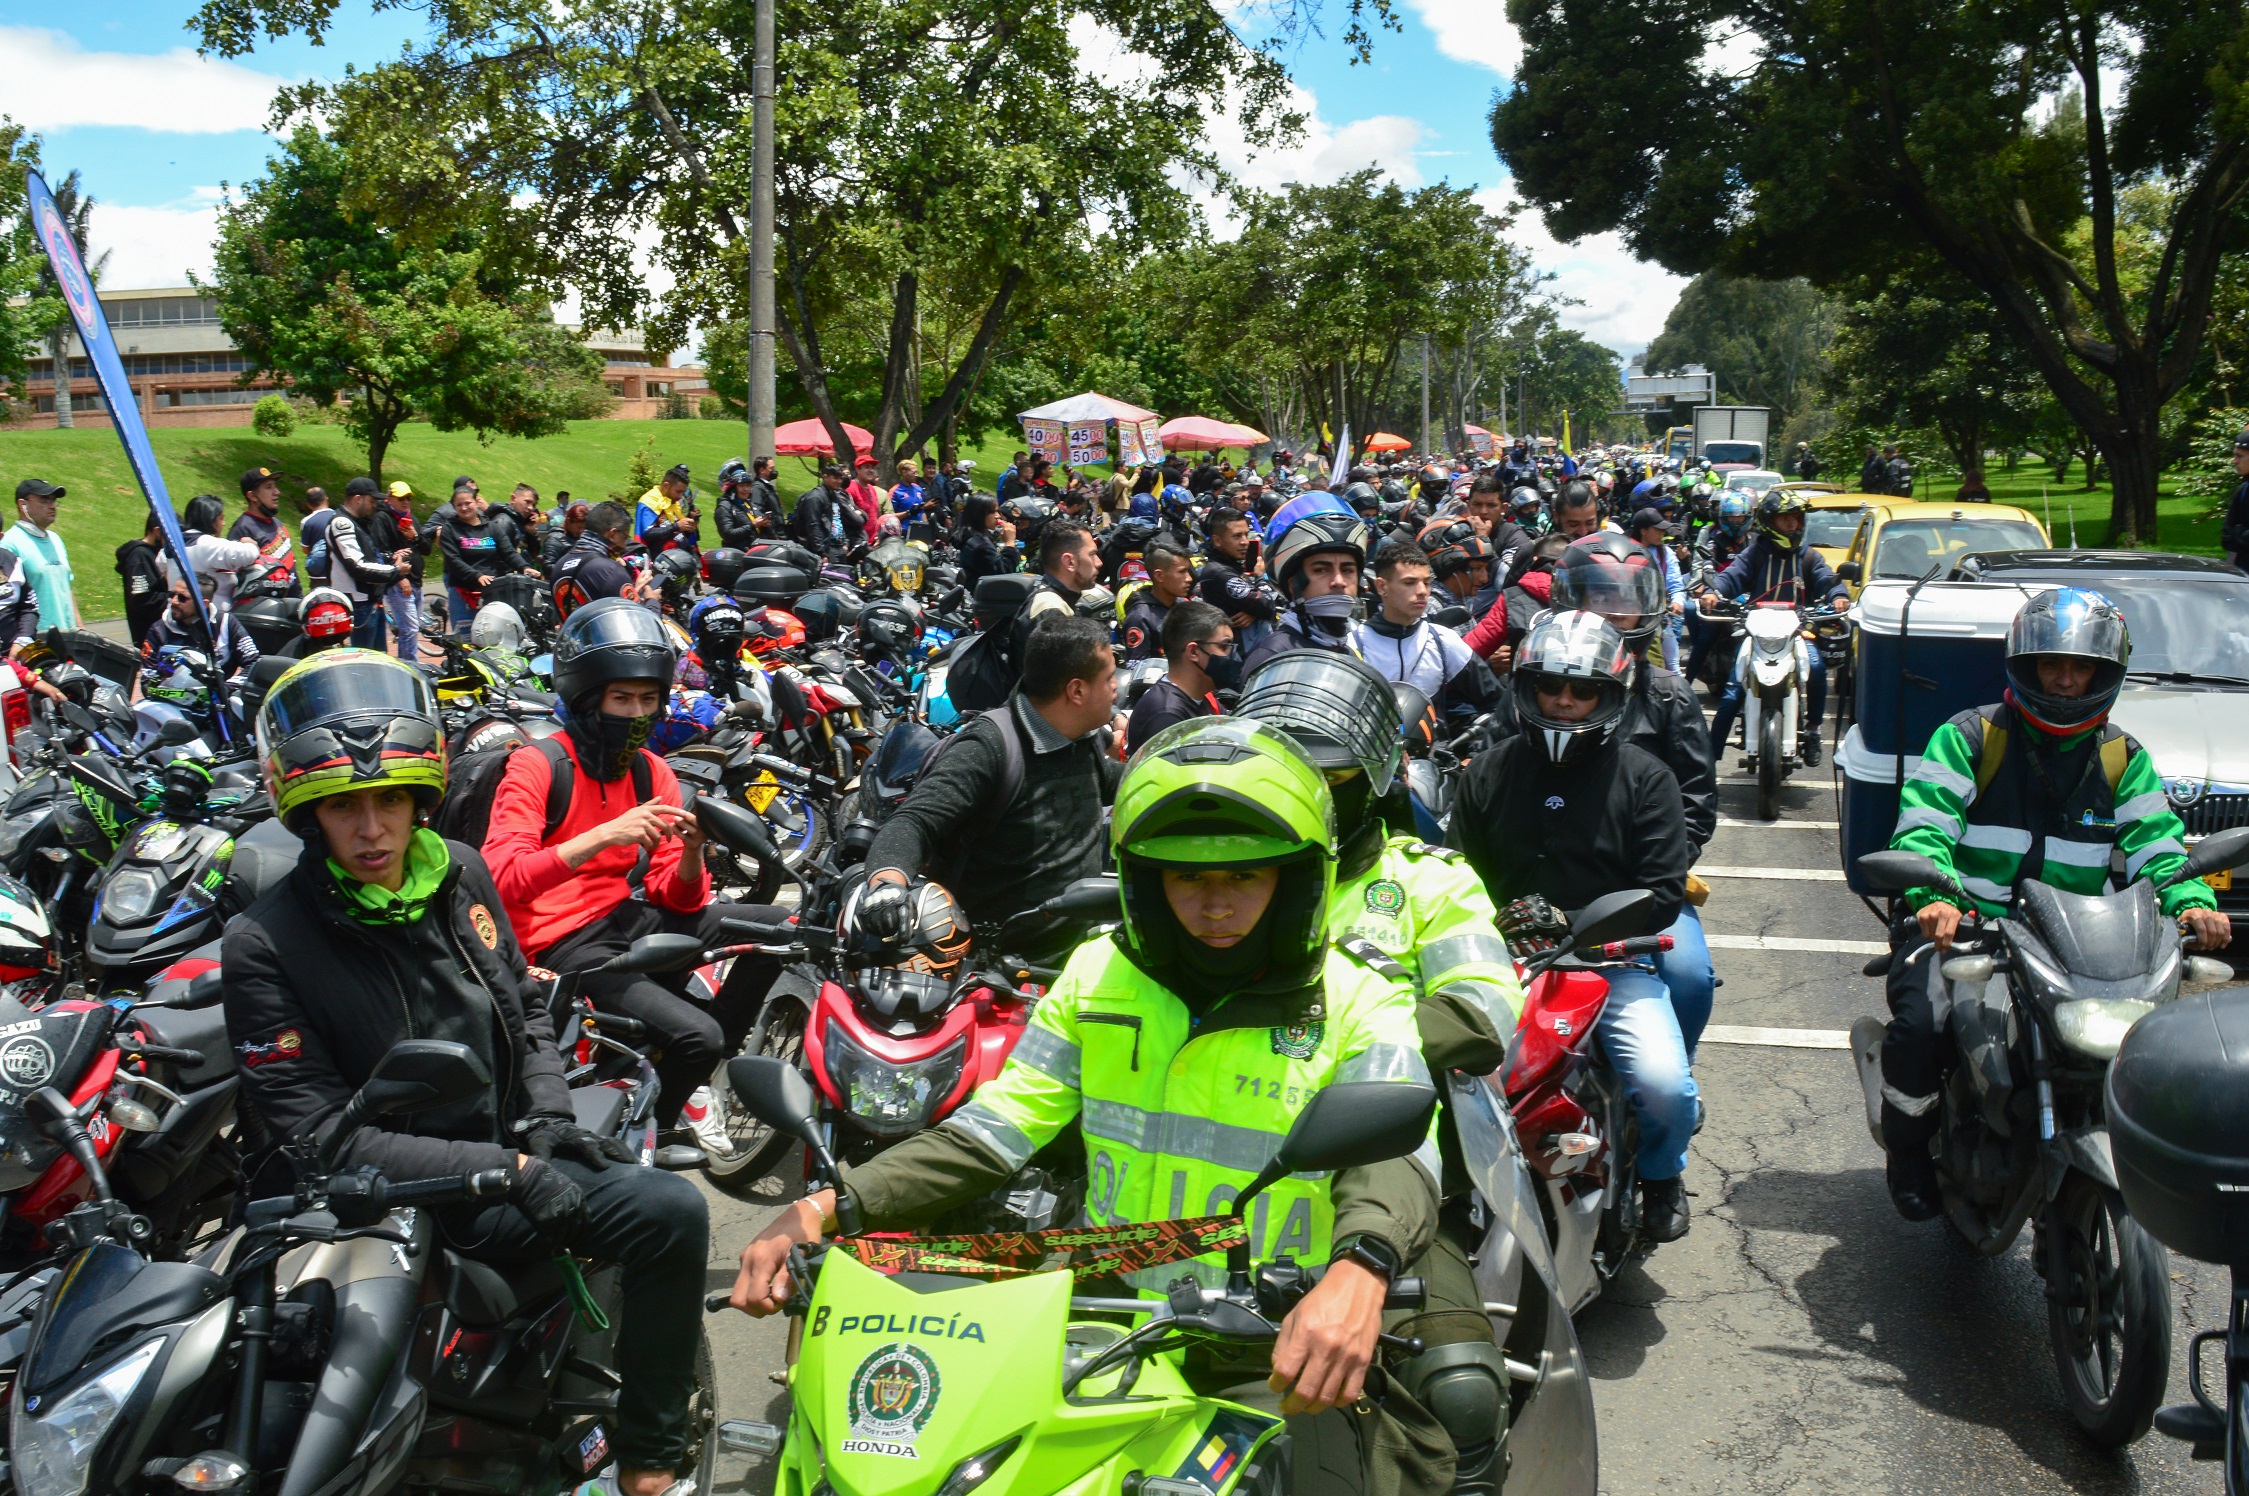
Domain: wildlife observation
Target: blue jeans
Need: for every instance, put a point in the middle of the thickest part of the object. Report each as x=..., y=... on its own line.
x=1737, y=690
x=1640, y=1034
x=404, y=603
x=1686, y=970
x=458, y=613
x=367, y=624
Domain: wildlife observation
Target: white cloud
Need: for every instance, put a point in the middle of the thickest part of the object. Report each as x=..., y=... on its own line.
x=49, y=83
x=1623, y=301
x=1473, y=31
x=155, y=246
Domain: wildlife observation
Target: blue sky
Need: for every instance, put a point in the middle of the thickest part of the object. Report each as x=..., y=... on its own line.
x=116, y=90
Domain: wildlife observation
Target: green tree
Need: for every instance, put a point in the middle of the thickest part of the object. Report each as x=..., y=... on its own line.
x=1856, y=138
x=1929, y=351
x=391, y=325
x=1559, y=370
x=27, y=310
x=1766, y=340
x=963, y=143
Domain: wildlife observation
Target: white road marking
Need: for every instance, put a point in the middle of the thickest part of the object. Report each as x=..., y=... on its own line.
x=1785, y=874
x=1778, y=1038
x=1790, y=943
x=1782, y=825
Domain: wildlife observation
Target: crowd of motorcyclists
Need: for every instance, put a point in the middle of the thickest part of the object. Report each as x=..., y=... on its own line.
x=1353, y=747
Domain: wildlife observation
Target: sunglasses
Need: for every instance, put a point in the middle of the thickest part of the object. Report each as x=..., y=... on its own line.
x=1570, y=686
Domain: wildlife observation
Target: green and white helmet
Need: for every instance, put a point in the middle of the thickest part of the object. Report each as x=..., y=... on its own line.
x=1217, y=793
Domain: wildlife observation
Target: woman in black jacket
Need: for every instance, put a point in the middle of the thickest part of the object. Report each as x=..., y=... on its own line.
x=386, y=931
x=985, y=541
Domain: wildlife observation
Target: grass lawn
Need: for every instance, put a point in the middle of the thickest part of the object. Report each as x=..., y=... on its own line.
x=105, y=508
x=2184, y=522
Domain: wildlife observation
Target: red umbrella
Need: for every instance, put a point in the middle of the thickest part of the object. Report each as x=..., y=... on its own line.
x=1383, y=441
x=1202, y=434
x=808, y=438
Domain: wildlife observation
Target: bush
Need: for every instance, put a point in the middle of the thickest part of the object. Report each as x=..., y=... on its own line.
x=640, y=475
x=2209, y=465
x=712, y=408
x=272, y=416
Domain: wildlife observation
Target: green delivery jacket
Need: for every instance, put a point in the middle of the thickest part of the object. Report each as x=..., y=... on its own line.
x=1982, y=809
x=1178, y=1115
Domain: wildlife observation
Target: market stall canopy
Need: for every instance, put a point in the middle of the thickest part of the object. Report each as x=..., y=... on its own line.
x=1087, y=407
x=1384, y=441
x=808, y=438
x=1202, y=434
x=1475, y=431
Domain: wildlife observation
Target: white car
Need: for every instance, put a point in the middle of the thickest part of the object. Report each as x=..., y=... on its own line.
x=1752, y=481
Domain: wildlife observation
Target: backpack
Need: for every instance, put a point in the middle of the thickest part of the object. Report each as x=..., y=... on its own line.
x=2115, y=750
x=952, y=859
x=984, y=671
x=466, y=814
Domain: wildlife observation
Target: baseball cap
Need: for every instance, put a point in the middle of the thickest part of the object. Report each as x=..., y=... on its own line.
x=1645, y=518
x=679, y=471
x=402, y=490
x=464, y=482
x=254, y=477
x=2241, y=442
x=36, y=488
x=360, y=486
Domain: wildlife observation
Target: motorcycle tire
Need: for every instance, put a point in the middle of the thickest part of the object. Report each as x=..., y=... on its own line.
x=758, y=1149
x=1771, y=768
x=702, y=1417
x=798, y=848
x=2108, y=1313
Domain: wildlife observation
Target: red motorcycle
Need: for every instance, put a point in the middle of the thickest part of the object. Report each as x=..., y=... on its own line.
x=1572, y=1114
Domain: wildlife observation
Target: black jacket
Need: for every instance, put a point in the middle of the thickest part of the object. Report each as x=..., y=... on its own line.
x=980, y=556
x=1222, y=585
x=1144, y=626
x=390, y=530
x=1766, y=573
x=816, y=508
x=314, y=998
x=1576, y=832
x=1000, y=859
x=144, y=587
x=2234, y=539
x=1293, y=631
x=480, y=550
x=504, y=522
x=751, y=513
x=1160, y=706
x=1665, y=721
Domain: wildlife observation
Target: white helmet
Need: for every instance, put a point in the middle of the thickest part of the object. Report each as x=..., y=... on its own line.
x=27, y=940
x=497, y=626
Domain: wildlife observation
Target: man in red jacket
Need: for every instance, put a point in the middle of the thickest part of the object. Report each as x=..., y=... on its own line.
x=569, y=883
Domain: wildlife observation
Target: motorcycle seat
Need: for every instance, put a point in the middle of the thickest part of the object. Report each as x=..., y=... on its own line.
x=263, y=856
x=481, y=1294
x=200, y=1029
x=599, y=1109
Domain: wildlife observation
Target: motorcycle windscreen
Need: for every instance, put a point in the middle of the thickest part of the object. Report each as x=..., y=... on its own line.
x=52, y=1047
x=107, y=1300
x=1488, y=1152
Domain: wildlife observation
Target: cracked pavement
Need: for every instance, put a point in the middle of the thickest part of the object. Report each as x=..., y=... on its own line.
x=1803, y=1338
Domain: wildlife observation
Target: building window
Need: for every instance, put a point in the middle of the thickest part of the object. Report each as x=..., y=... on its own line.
x=616, y=386
x=214, y=397
x=89, y=403
x=163, y=311
x=657, y=389
x=615, y=362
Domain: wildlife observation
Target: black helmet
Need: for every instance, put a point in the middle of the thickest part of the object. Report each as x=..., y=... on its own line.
x=1395, y=493
x=821, y=613
x=2075, y=623
x=1616, y=578
x=1582, y=649
x=1362, y=497
x=722, y=566
x=1524, y=499
x=718, y=627
x=1452, y=560
x=733, y=470
x=1307, y=526
x=1336, y=707
x=609, y=639
x=887, y=628
x=676, y=571
x=204, y=512
x=1770, y=508
x=907, y=979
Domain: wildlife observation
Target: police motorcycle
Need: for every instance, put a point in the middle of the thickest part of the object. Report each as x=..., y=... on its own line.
x=1092, y=1387
x=328, y=1344
x=2037, y=1004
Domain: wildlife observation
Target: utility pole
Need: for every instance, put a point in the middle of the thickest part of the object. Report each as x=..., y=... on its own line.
x=1425, y=447
x=762, y=393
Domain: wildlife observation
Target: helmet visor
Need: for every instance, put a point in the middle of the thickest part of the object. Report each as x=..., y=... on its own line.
x=306, y=697
x=1340, y=716
x=2080, y=624
x=1610, y=590
x=596, y=629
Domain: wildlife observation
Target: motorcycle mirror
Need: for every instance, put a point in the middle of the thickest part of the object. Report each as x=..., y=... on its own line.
x=1354, y=1123
x=777, y=1094
x=175, y=732
x=1850, y=571
x=2214, y=854
x=419, y=1074
x=1456, y=616
x=1088, y=898
x=1612, y=916
x=658, y=953
x=1895, y=872
x=736, y=828
x=78, y=717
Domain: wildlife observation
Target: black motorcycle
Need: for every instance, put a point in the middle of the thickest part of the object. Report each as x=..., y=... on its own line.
x=2039, y=1002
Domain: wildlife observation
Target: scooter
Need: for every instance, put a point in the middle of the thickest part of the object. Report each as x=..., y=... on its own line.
x=1775, y=666
x=1570, y=1107
x=2037, y=1004
x=1016, y=1373
x=331, y=1344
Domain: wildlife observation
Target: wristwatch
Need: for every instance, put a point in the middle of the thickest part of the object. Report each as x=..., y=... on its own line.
x=1370, y=1252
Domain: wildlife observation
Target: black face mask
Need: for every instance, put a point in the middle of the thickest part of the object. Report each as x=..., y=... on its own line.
x=606, y=744
x=1225, y=671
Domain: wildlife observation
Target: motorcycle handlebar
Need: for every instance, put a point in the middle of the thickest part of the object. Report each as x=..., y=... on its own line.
x=484, y=1184
x=1638, y=945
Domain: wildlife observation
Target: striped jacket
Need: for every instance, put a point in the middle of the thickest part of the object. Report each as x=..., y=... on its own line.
x=1993, y=802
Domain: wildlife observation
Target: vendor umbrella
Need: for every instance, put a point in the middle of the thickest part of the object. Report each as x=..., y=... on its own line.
x=1384, y=441
x=1202, y=434
x=808, y=438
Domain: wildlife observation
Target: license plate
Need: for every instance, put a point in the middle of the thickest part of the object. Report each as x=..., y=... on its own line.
x=760, y=792
x=2222, y=881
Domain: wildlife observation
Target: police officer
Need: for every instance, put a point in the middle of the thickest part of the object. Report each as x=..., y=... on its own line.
x=1223, y=584
x=1224, y=840
x=2041, y=785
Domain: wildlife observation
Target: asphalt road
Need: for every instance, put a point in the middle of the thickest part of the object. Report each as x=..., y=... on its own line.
x=1803, y=1338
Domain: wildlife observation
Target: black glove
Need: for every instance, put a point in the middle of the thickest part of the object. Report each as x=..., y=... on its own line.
x=886, y=913
x=553, y=1137
x=554, y=1204
x=1532, y=925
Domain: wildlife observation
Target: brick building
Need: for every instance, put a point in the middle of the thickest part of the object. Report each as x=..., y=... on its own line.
x=184, y=370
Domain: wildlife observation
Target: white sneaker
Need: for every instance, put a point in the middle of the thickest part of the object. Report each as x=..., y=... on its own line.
x=700, y=1116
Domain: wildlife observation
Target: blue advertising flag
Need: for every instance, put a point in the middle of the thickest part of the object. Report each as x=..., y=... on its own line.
x=101, y=348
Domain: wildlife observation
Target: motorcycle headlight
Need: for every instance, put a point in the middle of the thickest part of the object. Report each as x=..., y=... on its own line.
x=131, y=894
x=53, y=1449
x=2096, y=1026
x=891, y=1100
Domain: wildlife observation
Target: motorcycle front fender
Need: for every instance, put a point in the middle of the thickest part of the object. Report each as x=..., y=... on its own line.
x=2085, y=1149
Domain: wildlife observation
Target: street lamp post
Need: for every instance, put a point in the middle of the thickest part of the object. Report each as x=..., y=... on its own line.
x=761, y=392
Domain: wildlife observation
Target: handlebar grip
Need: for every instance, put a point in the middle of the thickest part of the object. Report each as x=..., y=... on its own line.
x=165, y=1053
x=484, y=1184
x=761, y=934
x=619, y=1025
x=713, y=1302
x=1638, y=945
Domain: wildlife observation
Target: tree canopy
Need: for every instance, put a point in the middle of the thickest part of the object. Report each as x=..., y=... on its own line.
x=1847, y=141
x=1765, y=340
x=440, y=324
x=28, y=308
